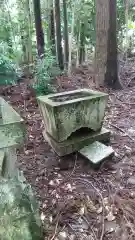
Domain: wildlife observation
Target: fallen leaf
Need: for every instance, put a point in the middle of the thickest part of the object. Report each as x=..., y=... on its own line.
x=42, y=216
x=110, y=217
x=100, y=210
x=82, y=211
x=62, y=236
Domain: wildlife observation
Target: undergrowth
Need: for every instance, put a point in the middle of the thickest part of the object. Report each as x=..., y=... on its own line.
x=46, y=70
x=9, y=71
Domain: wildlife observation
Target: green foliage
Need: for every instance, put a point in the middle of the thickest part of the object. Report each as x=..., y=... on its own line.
x=46, y=70
x=8, y=69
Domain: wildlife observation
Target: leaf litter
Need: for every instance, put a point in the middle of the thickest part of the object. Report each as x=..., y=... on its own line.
x=76, y=201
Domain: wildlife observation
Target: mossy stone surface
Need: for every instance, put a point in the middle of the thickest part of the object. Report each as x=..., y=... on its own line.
x=76, y=143
x=62, y=116
x=12, y=129
x=19, y=217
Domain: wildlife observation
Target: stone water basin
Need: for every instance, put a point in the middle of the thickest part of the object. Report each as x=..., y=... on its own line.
x=12, y=129
x=66, y=112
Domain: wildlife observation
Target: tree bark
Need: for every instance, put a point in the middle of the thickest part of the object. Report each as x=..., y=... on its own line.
x=39, y=29
x=58, y=34
x=66, y=42
x=106, y=69
x=82, y=44
x=52, y=31
x=28, y=10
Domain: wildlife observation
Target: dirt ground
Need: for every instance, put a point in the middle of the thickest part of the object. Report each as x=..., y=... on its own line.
x=77, y=201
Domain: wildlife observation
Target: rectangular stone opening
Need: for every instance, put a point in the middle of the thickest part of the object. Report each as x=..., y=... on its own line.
x=84, y=131
x=71, y=96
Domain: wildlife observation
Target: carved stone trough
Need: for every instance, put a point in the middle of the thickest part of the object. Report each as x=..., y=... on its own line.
x=67, y=112
x=12, y=133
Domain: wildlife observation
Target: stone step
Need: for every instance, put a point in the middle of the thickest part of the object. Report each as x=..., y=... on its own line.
x=76, y=142
x=96, y=152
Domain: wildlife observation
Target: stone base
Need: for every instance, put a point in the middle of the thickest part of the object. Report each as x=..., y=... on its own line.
x=77, y=142
x=8, y=159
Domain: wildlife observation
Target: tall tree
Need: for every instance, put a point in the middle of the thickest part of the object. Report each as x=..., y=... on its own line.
x=58, y=34
x=66, y=42
x=106, y=70
x=82, y=43
x=52, y=31
x=38, y=26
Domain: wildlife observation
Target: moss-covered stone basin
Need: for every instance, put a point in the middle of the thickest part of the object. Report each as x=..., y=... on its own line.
x=66, y=112
x=12, y=129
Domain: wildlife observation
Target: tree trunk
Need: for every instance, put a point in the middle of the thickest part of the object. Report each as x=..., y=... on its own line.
x=39, y=29
x=82, y=44
x=70, y=38
x=126, y=22
x=29, y=39
x=52, y=31
x=58, y=34
x=66, y=43
x=106, y=69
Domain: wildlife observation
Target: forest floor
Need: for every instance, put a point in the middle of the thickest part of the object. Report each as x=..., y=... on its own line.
x=77, y=201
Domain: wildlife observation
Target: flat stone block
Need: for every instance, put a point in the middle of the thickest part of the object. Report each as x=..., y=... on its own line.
x=8, y=159
x=66, y=112
x=12, y=129
x=96, y=152
x=77, y=142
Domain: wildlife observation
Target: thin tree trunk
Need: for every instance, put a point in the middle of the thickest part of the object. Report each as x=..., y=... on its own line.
x=24, y=57
x=126, y=22
x=29, y=31
x=58, y=34
x=52, y=31
x=106, y=69
x=70, y=40
x=39, y=29
x=66, y=43
x=78, y=45
x=82, y=44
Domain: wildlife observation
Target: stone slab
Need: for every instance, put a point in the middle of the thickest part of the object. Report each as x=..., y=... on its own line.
x=12, y=128
x=77, y=142
x=66, y=112
x=96, y=152
x=8, y=159
x=19, y=214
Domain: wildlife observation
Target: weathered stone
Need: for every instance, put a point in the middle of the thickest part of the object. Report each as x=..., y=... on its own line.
x=66, y=112
x=75, y=143
x=96, y=152
x=12, y=133
x=9, y=169
x=12, y=129
x=19, y=217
